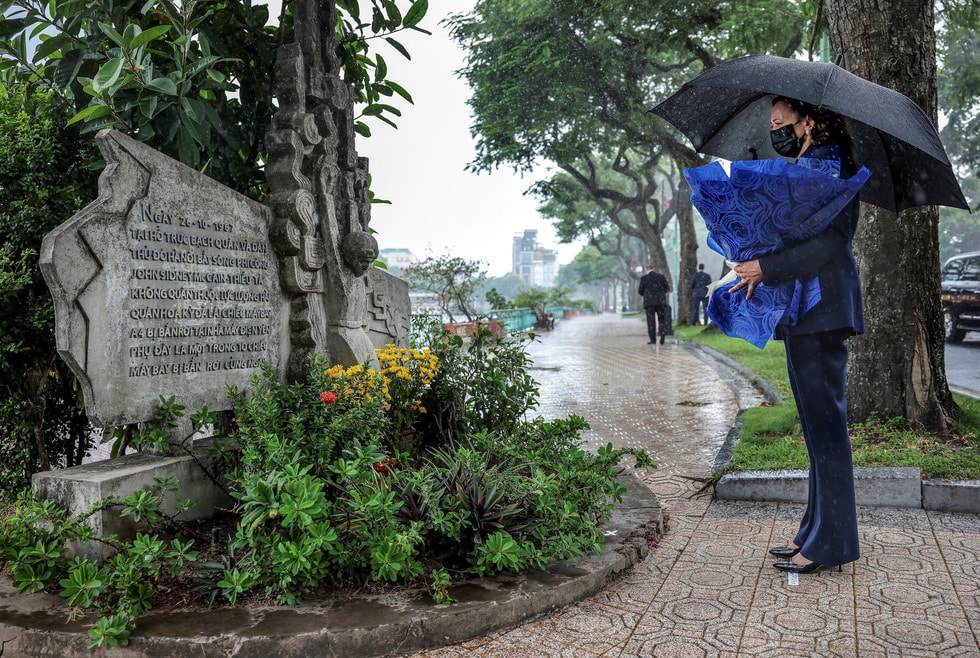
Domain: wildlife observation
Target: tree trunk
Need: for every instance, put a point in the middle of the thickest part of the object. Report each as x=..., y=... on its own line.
x=689, y=253
x=898, y=367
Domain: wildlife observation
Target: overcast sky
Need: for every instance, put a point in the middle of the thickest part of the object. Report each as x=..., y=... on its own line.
x=437, y=206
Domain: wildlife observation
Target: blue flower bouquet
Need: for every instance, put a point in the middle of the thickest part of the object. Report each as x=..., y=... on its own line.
x=761, y=207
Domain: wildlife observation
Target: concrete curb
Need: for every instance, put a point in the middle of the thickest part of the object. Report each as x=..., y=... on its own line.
x=355, y=627
x=879, y=487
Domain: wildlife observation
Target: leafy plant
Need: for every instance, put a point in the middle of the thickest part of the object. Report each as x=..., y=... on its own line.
x=439, y=584
x=43, y=181
x=334, y=408
x=33, y=549
x=483, y=385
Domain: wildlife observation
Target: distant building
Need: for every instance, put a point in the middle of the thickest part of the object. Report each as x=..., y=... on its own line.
x=424, y=302
x=535, y=265
x=397, y=259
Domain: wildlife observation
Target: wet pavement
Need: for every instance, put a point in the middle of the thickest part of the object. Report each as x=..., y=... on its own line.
x=709, y=588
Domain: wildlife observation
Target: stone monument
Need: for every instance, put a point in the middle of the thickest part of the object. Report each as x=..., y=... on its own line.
x=170, y=284
x=318, y=190
x=165, y=285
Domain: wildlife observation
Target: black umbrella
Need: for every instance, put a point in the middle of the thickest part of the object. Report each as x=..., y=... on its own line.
x=725, y=112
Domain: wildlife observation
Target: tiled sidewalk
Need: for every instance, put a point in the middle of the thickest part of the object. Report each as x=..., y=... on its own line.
x=709, y=589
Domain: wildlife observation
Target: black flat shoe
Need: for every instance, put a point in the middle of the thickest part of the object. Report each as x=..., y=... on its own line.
x=793, y=567
x=784, y=551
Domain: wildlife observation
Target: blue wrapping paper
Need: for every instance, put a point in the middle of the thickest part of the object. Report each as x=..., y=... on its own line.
x=761, y=207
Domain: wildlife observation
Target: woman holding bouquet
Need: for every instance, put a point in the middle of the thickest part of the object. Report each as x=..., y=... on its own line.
x=816, y=355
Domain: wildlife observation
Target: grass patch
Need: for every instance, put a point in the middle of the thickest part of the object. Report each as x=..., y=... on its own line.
x=770, y=363
x=771, y=437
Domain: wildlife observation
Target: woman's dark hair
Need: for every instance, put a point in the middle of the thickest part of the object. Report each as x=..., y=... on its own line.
x=830, y=127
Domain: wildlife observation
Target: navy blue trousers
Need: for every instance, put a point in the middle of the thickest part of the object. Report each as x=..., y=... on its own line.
x=697, y=303
x=817, y=365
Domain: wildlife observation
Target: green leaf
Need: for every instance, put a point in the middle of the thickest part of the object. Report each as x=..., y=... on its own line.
x=130, y=32
x=108, y=74
x=377, y=109
x=148, y=36
x=38, y=30
x=110, y=32
x=49, y=46
x=391, y=123
x=394, y=14
x=398, y=89
x=11, y=26
x=89, y=113
x=394, y=43
x=380, y=68
x=416, y=13
x=201, y=64
x=148, y=106
x=216, y=76
x=362, y=129
x=68, y=67
x=190, y=109
x=122, y=83
x=95, y=125
x=163, y=86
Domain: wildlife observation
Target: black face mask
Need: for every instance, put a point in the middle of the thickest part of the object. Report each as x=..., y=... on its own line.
x=785, y=141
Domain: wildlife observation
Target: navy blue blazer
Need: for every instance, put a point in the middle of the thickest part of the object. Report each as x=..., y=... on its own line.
x=829, y=255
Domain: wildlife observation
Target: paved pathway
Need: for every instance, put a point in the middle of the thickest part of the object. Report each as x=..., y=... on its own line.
x=709, y=589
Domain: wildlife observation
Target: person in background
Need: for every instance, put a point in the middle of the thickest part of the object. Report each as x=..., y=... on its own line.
x=654, y=288
x=699, y=295
x=816, y=356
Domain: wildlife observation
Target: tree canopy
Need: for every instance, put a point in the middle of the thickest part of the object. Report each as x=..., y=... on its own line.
x=959, y=82
x=191, y=79
x=455, y=280
x=570, y=82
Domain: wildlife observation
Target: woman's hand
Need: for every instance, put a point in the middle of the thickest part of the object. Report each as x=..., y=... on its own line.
x=750, y=274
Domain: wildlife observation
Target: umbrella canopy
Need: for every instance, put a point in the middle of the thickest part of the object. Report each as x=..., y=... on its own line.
x=761, y=207
x=725, y=112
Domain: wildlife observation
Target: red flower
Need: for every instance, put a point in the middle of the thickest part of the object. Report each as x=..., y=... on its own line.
x=384, y=467
x=328, y=397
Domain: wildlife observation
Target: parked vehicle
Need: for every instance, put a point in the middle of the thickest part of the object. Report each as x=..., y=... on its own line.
x=961, y=295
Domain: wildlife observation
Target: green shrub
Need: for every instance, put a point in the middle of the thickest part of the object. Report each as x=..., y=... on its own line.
x=33, y=550
x=44, y=180
x=329, y=494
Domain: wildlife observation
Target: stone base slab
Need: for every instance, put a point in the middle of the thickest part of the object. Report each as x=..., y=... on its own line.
x=80, y=487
